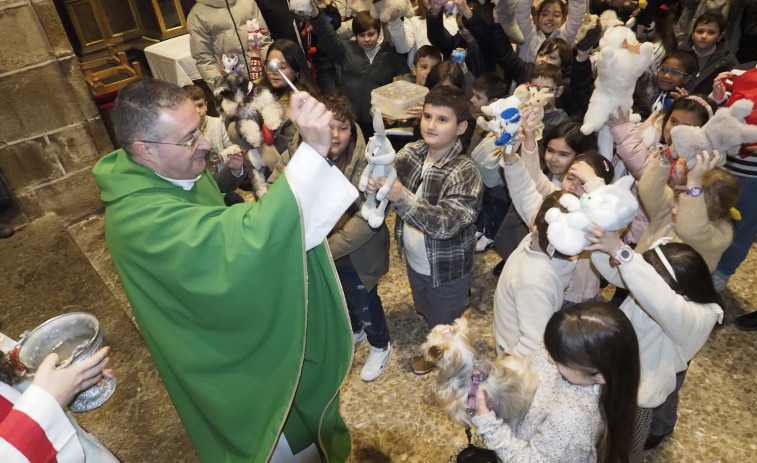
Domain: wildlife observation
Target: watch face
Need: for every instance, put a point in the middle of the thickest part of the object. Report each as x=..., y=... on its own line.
x=695, y=191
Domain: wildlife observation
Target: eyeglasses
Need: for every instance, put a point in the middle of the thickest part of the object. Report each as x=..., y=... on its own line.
x=673, y=72
x=190, y=145
x=549, y=89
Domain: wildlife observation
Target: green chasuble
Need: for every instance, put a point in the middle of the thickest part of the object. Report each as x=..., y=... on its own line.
x=249, y=332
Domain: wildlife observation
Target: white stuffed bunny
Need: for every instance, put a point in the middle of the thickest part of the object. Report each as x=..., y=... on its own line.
x=610, y=207
x=620, y=62
x=380, y=155
x=726, y=131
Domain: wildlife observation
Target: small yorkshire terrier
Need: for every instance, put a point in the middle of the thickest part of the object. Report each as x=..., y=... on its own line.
x=508, y=381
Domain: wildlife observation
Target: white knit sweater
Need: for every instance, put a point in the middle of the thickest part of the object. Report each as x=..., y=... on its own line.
x=670, y=328
x=561, y=425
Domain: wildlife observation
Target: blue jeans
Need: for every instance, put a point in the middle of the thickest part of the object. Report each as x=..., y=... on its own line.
x=364, y=307
x=745, y=229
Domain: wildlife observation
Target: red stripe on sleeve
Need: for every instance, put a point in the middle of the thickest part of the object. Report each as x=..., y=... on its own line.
x=26, y=435
x=5, y=407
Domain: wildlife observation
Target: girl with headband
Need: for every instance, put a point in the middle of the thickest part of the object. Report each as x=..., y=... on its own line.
x=673, y=309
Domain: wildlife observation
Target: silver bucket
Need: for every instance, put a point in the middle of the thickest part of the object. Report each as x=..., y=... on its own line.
x=74, y=337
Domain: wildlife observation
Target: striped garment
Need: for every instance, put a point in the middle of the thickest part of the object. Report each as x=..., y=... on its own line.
x=35, y=429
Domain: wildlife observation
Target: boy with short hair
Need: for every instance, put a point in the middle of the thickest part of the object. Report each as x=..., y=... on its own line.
x=425, y=58
x=368, y=62
x=360, y=253
x=437, y=196
x=545, y=75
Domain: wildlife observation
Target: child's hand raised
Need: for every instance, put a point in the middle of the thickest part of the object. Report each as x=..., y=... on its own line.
x=718, y=86
x=414, y=112
x=705, y=163
x=617, y=118
x=605, y=241
x=582, y=171
x=679, y=92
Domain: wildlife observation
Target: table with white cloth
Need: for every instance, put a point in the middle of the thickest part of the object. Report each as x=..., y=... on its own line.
x=171, y=60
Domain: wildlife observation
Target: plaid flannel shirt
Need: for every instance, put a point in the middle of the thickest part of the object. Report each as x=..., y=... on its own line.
x=447, y=212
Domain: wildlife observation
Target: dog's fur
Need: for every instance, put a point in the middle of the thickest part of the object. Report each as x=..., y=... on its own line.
x=509, y=387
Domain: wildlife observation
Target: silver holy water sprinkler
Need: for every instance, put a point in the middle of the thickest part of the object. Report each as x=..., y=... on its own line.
x=275, y=66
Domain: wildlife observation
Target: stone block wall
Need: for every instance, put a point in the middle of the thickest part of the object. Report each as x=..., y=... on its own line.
x=50, y=130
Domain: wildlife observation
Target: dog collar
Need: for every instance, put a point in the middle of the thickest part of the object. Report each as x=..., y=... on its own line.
x=477, y=377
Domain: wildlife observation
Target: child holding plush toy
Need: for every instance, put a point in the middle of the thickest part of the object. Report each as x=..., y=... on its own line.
x=636, y=143
x=360, y=252
x=697, y=212
x=560, y=145
x=437, y=196
x=673, y=310
x=535, y=277
x=584, y=407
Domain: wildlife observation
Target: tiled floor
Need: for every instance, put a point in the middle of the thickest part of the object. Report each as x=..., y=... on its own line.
x=390, y=419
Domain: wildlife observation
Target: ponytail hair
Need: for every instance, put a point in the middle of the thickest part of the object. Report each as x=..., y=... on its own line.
x=598, y=338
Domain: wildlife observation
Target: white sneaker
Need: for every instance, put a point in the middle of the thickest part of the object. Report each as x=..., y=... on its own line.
x=357, y=337
x=376, y=362
x=484, y=243
x=478, y=235
x=720, y=281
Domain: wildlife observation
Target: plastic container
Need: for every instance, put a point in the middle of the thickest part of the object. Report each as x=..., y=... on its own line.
x=393, y=100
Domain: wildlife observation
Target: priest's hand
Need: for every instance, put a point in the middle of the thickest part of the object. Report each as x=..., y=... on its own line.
x=311, y=118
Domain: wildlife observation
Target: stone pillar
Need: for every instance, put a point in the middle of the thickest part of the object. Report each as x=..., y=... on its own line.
x=51, y=133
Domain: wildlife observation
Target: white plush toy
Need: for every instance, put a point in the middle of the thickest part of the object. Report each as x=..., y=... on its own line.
x=620, y=62
x=610, y=207
x=385, y=10
x=505, y=10
x=506, y=119
x=301, y=8
x=380, y=155
x=726, y=131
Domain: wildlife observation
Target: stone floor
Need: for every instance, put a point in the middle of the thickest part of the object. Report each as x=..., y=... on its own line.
x=50, y=268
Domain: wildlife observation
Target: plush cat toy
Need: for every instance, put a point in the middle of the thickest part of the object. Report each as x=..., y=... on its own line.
x=505, y=11
x=610, y=207
x=385, y=10
x=380, y=155
x=506, y=120
x=620, y=62
x=726, y=131
x=253, y=107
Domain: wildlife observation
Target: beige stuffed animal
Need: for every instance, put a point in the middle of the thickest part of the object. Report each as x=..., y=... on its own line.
x=386, y=10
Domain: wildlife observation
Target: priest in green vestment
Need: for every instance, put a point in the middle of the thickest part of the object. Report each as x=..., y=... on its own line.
x=239, y=306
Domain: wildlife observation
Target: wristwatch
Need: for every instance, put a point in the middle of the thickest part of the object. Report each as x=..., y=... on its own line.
x=624, y=254
x=694, y=192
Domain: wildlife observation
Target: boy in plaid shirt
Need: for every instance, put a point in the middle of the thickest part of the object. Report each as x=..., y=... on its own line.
x=437, y=196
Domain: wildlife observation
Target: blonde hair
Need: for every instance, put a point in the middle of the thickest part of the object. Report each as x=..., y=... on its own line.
x=721, y=192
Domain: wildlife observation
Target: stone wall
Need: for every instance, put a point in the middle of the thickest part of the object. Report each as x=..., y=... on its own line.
x=50, y=130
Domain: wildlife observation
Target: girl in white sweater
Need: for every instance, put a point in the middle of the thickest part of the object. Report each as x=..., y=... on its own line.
x=673, y=307
x=584, y=406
